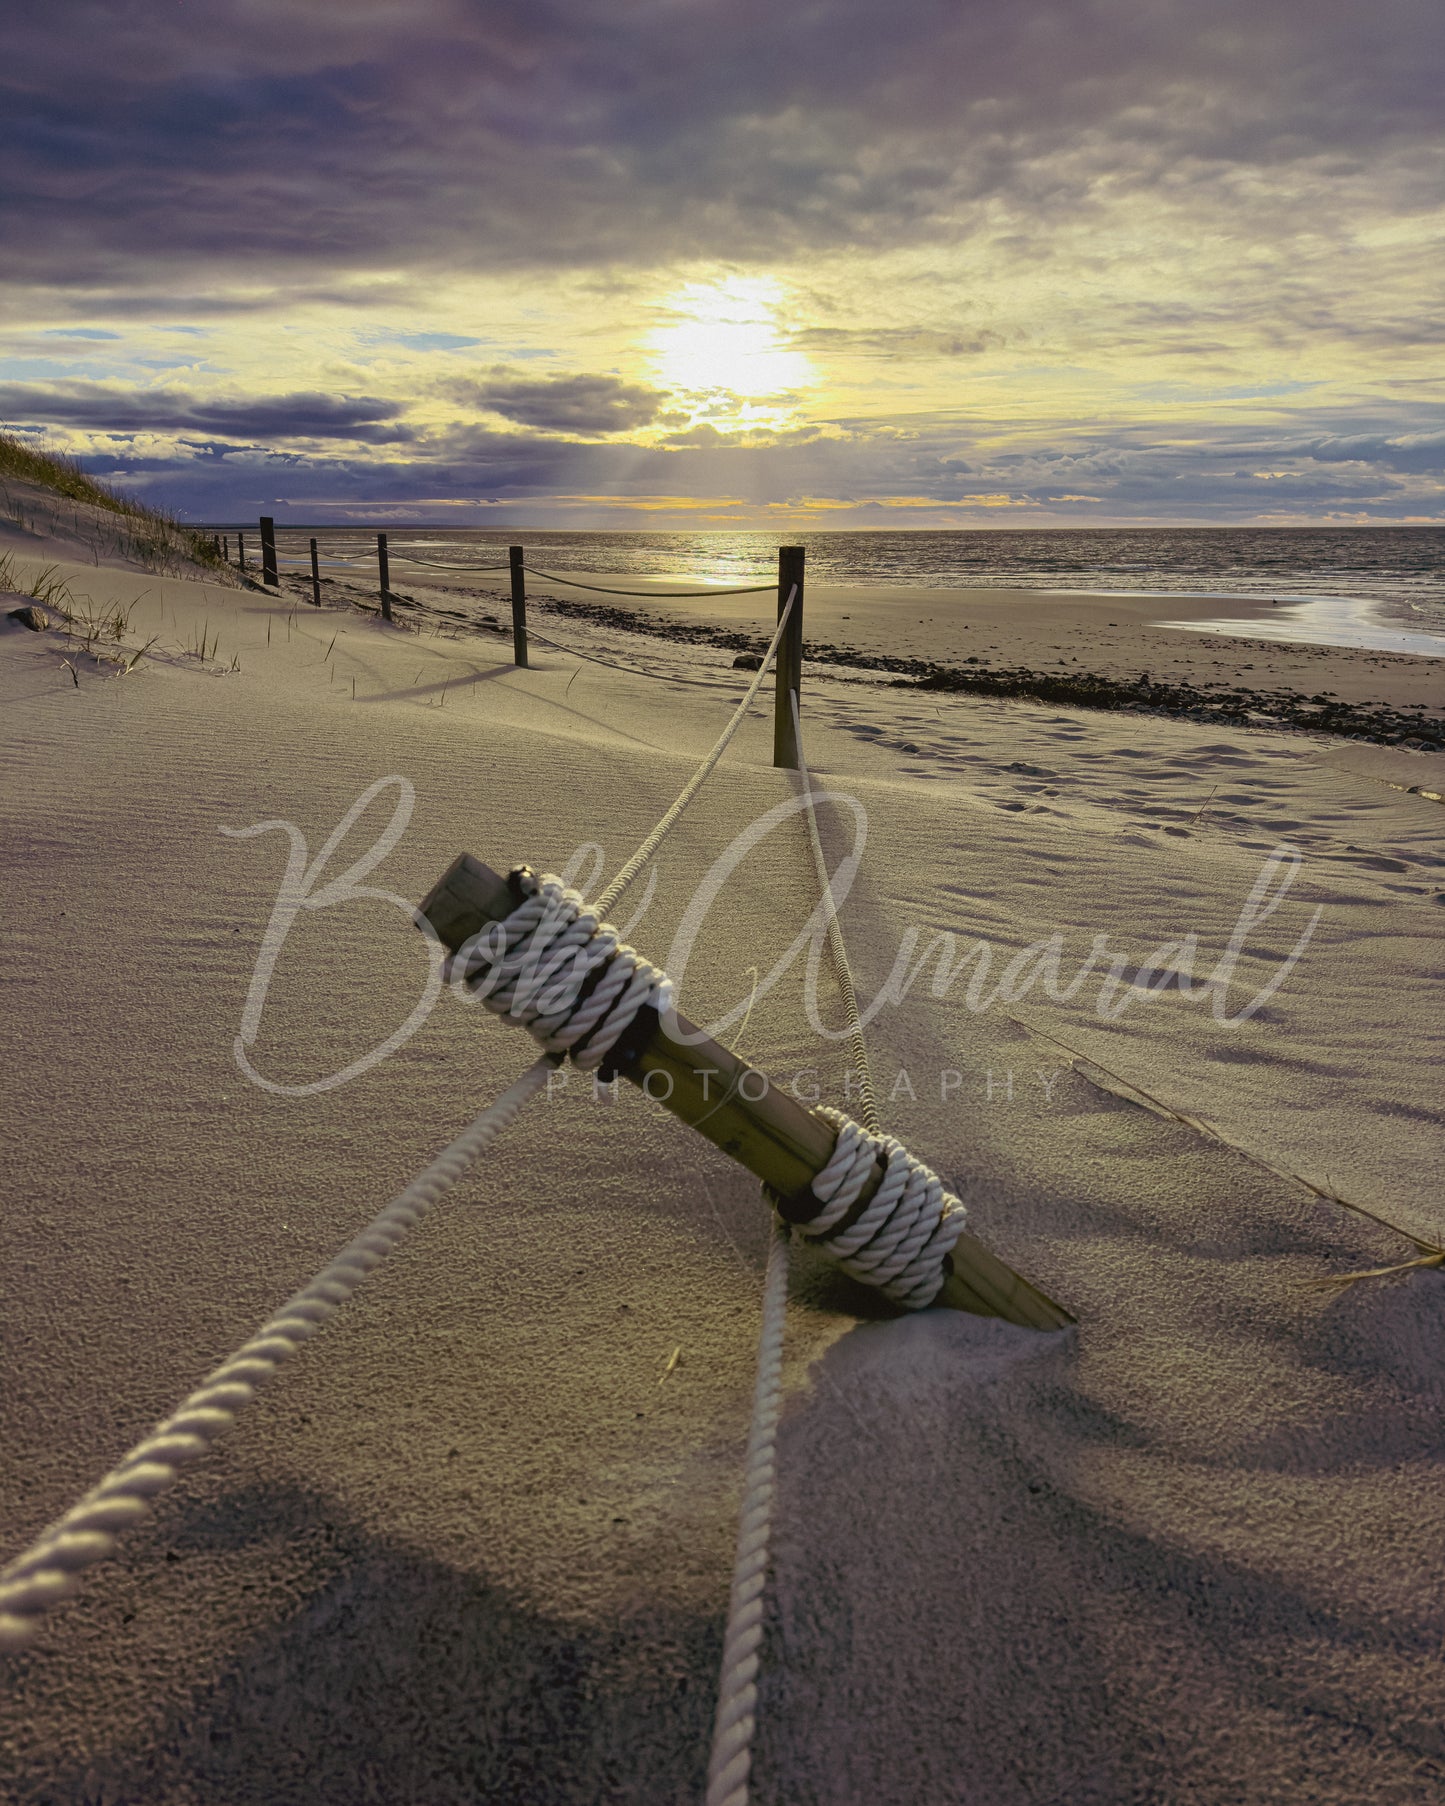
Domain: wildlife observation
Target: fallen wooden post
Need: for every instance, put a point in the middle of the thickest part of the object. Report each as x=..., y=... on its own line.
x=739, y=1110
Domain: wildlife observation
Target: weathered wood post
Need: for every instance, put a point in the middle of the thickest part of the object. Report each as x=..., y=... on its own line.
x=315, y=577
x=226, y=547
x=741, y=1111
x=384, y=565
x=216, y=542
x=269, y=572
x=515, y=557
x=241, y=549
x=787, y=676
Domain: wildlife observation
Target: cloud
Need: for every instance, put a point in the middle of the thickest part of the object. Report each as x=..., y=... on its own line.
x=432, y=341
x=507, y=134
x=106, y=408
x=959, y=471
x=898, y=341
x=1415, y=452
x=560, y=404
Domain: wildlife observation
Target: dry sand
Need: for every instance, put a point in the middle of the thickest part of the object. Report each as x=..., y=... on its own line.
x=1116, y=636
x=474, y=1543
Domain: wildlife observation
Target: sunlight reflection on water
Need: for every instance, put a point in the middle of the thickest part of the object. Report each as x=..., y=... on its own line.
x=1325, y=621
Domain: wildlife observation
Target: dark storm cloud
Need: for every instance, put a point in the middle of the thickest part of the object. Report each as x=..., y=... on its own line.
x=560, y=404
x=268, y=143
x=98, y=407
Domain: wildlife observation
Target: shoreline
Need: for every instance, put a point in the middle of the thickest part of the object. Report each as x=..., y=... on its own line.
x=1306, y=687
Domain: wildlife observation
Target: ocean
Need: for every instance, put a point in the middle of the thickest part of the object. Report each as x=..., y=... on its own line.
x=1403, y=567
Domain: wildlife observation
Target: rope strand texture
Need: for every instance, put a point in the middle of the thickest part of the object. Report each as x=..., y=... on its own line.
x=904, y=1257
x=732, y=1741
x=909, y=1225
x=51, y=1567
x=533, y=965
x=649, y=846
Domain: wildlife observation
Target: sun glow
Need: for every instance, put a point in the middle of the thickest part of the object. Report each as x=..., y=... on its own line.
x=722, y=354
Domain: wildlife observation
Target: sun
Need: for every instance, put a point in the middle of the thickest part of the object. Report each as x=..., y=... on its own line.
x=722, y=352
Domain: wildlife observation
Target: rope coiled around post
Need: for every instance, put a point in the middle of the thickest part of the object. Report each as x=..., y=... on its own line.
x=910, y=1223
x=49, y=1569
x=567, y=976
x=536, y=964
x=903, y=1256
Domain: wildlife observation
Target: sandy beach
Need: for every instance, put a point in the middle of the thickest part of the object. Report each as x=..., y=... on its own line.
x=474, y=1543
x=1135, y=649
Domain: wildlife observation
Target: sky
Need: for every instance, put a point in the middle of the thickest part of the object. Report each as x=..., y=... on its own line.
x=673, y=264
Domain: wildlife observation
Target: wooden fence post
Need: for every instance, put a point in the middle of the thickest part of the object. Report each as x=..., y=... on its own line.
x=241, y=549
x=788, y=673
x=765, y=1129
x=315, y=577
x=515, y=556
x=269, y=572
x=384, y=566
x=216, y=542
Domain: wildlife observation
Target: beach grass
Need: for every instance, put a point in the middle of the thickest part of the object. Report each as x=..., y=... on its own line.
x=148, y=535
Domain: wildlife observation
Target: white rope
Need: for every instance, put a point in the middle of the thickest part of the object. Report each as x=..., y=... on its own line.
x=557, y=968
x=910, y=1223
x=534, y=964
x=553, y=929
x=898, y=1243
x=836, y=948
x=433, y=564
x=649, y=846
x=732, y=1740
x=51, y=1567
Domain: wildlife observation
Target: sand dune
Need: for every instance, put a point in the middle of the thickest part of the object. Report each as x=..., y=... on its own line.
x=474, y=1543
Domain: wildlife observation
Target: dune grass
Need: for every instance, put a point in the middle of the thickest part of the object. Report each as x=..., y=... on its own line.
x=148, y=535
x=46, y=586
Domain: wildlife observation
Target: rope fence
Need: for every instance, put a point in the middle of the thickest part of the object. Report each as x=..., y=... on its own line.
x=788, y=588
x=697, y=683
x=49, y=1569
x=688, y=595
x=548, y=960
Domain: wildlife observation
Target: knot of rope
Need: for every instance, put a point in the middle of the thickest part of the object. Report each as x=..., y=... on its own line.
x=911, y=1222
x=556, y=967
